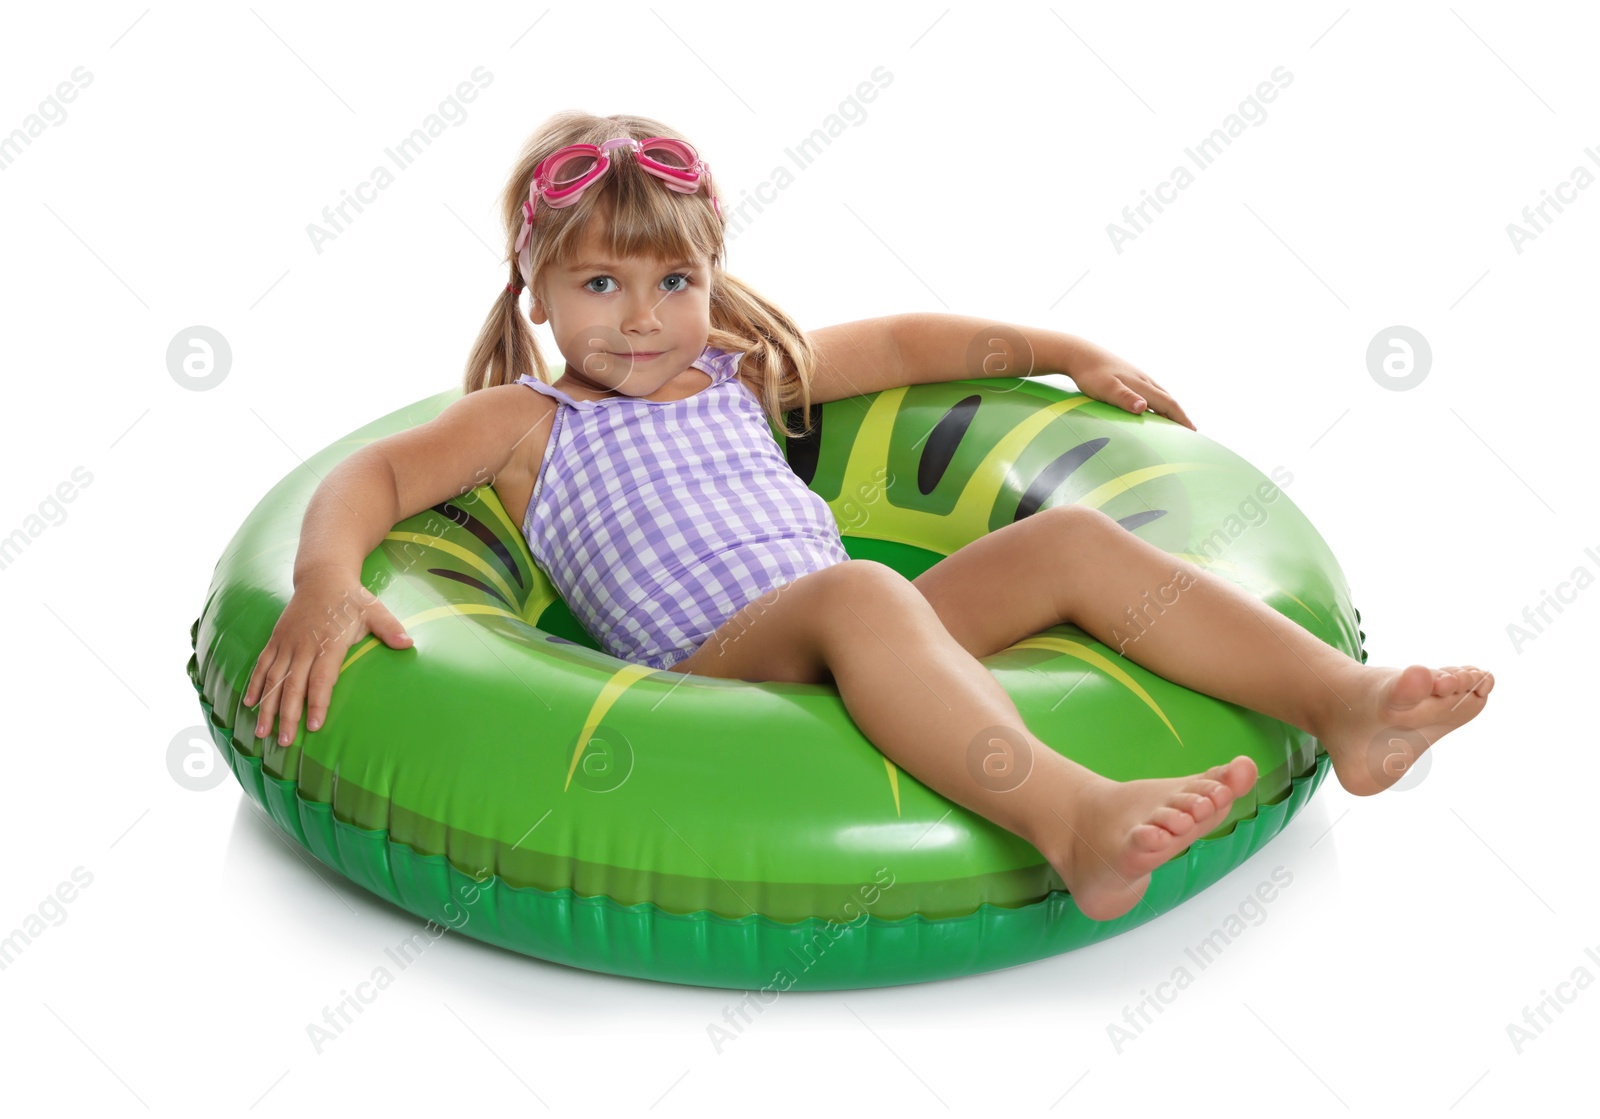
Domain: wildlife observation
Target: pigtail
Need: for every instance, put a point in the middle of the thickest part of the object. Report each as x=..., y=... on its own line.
x=505, y=347
x=779, y=353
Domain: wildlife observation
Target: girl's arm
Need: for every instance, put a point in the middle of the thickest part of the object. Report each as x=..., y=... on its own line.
x=348, y=516
x=871, y=355
x=467, y=445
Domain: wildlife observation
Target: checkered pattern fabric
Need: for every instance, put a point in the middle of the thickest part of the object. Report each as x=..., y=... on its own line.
x=659, y=520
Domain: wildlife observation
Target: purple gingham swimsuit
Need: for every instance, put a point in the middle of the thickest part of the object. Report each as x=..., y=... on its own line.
x=659, y=520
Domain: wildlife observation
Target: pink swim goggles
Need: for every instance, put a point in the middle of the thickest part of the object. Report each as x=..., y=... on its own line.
x=560, y=179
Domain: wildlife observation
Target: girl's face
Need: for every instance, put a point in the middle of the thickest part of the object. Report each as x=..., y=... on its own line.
x=626, y=326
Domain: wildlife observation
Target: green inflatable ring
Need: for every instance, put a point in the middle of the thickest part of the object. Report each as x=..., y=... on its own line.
x=506, y=778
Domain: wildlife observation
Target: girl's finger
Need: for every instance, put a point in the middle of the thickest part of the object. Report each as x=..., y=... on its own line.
x=324, y=674
x=269, y=704
x=256, y=674
x=289, y=714
x=1171, y=409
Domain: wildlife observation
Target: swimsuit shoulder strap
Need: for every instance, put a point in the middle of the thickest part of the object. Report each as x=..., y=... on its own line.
x=721, y=364
x=548, y=390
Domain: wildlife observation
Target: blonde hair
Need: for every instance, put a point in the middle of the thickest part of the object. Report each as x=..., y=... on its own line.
x=645, y=219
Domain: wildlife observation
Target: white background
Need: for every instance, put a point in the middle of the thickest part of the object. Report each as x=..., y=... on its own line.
x=981, y=181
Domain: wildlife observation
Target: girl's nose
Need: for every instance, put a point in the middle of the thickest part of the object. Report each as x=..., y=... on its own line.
x=640, y=314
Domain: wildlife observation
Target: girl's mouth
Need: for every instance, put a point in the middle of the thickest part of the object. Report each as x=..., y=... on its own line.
x=641, y=356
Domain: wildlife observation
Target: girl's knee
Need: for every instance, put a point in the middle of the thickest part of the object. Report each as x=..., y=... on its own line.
x=861, y=592
x=856, y=581
x=1074, y=518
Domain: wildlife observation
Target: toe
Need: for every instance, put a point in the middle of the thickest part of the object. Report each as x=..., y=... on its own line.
x=1175, y=821
x=1413, y=685
x=1150, y=837
x=1199, y=799
x=1194, y=805
x=1241, y=775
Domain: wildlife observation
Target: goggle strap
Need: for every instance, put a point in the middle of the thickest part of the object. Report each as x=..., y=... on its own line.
x=685, y=180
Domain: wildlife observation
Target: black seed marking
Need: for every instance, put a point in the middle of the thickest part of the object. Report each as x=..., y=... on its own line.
x=1139, y=520
x=469, y=581
x=943, y=442
x=804, y=452
x=484, y=533
x=1050, y=478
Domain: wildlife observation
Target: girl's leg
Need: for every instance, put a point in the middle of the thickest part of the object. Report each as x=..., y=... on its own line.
x=935, y=711
x=1075, y=564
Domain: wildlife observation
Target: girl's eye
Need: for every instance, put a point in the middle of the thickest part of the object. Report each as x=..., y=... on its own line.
x=682, y=277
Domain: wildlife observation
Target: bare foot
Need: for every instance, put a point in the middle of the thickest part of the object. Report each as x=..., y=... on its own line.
x=1394, y=716
x=1125, y=829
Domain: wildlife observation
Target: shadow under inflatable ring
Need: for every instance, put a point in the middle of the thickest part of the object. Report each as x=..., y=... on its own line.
x=505, y=777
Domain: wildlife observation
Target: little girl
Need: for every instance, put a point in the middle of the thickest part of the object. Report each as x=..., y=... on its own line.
x=652, y=493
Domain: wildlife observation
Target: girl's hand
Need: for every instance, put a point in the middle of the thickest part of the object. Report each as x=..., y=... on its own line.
x=326, y=615
x=1107, y=377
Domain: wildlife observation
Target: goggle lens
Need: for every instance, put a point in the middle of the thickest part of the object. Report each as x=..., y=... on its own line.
x=563, y=177
x=572, y=168
x=670, y=154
